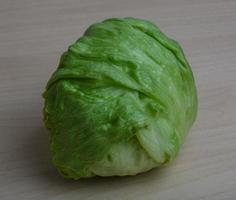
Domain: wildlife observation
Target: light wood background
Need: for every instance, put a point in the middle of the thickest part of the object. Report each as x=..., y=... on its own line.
x=33, y=34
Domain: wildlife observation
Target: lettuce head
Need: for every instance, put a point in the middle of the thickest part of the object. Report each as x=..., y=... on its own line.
x=120, y=102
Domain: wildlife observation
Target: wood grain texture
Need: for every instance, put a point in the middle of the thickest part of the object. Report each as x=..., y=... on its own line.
x=33, y=34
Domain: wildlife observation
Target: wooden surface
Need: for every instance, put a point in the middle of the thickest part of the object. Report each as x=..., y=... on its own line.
x=33, y=34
